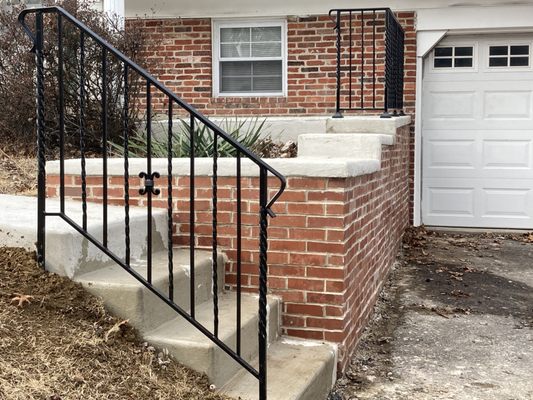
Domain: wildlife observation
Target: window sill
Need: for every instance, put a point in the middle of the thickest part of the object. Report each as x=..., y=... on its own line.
x=248, y=95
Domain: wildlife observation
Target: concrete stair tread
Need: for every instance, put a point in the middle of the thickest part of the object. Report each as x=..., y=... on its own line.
x=116, y=275
x=193, y=349
x=297, y=370
x=67, y=252
x=125, y=296
x=178, y=330
x=22, y=210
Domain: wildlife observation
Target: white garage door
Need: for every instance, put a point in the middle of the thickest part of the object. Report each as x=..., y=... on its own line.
x=477, y=130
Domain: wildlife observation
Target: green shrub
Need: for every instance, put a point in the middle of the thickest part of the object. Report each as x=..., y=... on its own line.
x=246, y=132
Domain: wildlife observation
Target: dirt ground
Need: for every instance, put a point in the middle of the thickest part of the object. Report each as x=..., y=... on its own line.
x=455, y=321
x=59, y=344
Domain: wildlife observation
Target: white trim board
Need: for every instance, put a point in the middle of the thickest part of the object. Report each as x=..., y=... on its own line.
x=258, y=8
x=475, y=18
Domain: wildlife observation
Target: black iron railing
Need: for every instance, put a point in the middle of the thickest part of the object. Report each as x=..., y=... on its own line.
x=370, y=61
x=60, y=20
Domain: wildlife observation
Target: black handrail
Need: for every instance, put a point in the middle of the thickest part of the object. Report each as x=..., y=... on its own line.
x=149, y=178
x=357, y=29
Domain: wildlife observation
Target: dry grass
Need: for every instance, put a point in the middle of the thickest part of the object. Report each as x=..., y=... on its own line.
x=64, y=346
x=18, y=175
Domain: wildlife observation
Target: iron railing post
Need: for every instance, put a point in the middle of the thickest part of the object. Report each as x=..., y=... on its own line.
x=263, y=272
x=41, y=151
x=388, y=100
x=338, y=113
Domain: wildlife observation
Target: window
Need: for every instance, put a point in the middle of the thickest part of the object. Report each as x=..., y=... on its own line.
x=249, y=58
x=453, y=57
x=509, y=56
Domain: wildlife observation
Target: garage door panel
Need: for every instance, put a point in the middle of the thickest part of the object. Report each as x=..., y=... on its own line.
x=451, y=105
x=500, y=202
x=450, y=154
x=507, y=104
x=507, y=154
x=446, y=201
x=477, y=142
x=477, y=154
x=478, y=203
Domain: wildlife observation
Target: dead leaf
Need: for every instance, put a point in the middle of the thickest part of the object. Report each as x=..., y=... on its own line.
x=21, y=299
x=118, y=327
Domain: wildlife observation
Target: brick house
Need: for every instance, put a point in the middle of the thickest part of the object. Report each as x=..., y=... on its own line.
x=468, y=80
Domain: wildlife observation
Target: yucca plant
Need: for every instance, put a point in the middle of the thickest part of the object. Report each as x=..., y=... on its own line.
x=246, y=132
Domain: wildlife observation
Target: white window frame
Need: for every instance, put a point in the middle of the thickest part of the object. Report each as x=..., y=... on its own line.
x=246, y=23
x=509, y=67
x=475, y=58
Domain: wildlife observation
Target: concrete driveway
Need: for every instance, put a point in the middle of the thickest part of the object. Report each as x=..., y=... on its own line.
x=455, y=321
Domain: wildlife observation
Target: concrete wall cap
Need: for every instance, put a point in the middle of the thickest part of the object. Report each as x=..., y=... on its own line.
x=300, y=166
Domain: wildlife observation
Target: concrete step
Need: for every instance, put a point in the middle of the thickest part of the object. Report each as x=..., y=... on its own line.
x=296, y=370
x=354, y=146
x=385, y=138
x=67, y=252
x=123, y=295
x=368, y=124
x=190, y=347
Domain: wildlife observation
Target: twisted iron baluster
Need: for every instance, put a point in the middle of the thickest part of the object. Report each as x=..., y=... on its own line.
x=215, y=252
x=60, y=78
x=350, y=68
x=149, y=174
x=374, y=58
x=362, y=59
x=192, y=239
x=126, y=168
x=104, y=144
x=338, y=113
x=401, y=38
x=239, y=252
x=169, y=205
x=263, y=248
x=82, y=132
x=41, y=152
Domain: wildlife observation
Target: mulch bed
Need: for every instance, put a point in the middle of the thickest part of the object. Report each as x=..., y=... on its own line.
x=57, y=342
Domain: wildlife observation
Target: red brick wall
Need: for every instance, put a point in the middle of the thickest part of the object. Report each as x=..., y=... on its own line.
x=330, y=247
x=182, y=56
